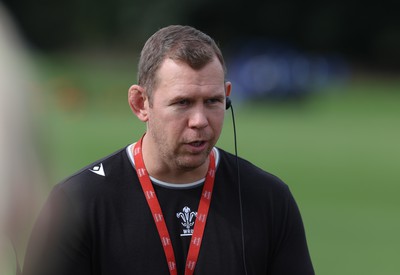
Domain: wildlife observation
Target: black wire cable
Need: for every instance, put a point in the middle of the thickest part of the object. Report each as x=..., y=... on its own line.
x=239, y=191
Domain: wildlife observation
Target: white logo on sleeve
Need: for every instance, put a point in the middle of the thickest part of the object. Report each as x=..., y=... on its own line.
x=98, y=169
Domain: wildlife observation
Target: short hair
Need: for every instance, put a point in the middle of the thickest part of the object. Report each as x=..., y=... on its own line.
x=180, y=43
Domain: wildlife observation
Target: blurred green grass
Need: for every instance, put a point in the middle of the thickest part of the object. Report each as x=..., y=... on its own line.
x=338, y=150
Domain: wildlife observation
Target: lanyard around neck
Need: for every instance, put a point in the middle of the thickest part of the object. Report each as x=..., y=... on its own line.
x=158, y=217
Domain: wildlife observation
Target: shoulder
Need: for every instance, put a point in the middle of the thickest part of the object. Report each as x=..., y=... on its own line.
x=102, y=174
x=251, y=176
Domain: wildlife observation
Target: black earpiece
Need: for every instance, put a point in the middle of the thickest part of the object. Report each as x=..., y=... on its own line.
x=228, y=103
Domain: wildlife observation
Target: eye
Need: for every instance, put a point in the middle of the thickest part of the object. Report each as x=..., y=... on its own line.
x=183, y=102
x=213, y=101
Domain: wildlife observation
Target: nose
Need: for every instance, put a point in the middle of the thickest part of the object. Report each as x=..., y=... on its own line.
x=198, y=118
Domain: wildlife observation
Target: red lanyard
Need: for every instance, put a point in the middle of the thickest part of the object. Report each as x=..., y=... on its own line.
x=155, y=208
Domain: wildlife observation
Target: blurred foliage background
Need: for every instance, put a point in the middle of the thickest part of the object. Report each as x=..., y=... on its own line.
x=316, y=94
x=367, y=32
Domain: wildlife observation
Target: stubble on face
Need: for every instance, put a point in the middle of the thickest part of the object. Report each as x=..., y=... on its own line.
x=176, y=145
x=173, y=153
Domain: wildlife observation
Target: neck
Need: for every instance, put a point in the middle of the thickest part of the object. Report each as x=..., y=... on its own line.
x=167, y=170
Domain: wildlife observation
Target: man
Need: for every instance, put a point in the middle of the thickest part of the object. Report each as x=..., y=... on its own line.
x=170, y=203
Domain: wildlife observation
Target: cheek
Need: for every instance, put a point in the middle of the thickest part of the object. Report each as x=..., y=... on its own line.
x=166, y=125
x=218, y=119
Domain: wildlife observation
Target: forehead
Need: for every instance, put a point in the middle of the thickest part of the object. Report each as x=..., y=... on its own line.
x=178, y=72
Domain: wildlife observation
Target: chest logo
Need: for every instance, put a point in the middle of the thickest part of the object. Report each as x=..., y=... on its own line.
x=187, y=220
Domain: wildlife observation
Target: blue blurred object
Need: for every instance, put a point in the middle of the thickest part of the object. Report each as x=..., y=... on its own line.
x=262, y=69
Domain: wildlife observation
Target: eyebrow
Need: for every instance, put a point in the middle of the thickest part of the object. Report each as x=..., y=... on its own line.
x=183, y=97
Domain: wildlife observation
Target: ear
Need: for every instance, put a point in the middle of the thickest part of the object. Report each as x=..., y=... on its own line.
x=228, y=88
x=138, y=102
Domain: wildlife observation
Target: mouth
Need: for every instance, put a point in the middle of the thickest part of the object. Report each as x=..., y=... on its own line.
x=197, y=143
x=197, y=146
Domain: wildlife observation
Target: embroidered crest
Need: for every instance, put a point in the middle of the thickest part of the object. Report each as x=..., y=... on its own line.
x=187, y=217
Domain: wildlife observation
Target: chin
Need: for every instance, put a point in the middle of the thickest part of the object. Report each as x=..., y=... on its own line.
x=191, y=162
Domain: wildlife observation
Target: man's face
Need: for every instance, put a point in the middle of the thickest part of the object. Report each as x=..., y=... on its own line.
x=187, y=113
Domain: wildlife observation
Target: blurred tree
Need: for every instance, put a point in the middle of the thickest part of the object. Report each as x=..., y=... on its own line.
x=52, y=25
x=364, y=31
